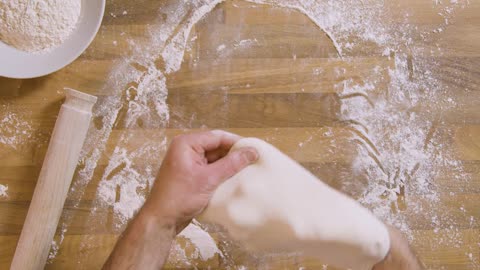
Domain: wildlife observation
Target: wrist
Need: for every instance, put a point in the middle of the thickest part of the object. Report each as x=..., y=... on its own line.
x=152, y=217
x=144, y=244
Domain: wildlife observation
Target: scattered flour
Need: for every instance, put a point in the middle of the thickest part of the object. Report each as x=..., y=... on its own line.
x=399, y=152
x=245, y=43
x=221, y=47
x=3, y=191
x=14, y=128
x=204, y=243
x=53, y=250
x=37, y=25
x=128, y=180
x=56, y=245
x=16, y=132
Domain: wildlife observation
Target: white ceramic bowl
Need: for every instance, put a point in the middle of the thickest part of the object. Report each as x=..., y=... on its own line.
x=19, y=64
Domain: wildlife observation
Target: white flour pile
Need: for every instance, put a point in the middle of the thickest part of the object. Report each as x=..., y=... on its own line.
x=399, y=152
x=37, y=25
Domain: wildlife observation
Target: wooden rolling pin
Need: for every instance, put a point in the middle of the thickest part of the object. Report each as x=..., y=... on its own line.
x=54, y=181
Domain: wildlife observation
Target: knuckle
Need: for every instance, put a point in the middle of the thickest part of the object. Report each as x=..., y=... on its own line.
x=178, y=139
x=217, y=132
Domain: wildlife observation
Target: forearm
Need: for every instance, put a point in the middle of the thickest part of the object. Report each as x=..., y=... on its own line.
x=144, y=245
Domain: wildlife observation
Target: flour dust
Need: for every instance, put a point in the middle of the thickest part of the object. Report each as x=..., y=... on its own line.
x=399, y=139
x=16, y=136
x=3, y=191
x=16, y=131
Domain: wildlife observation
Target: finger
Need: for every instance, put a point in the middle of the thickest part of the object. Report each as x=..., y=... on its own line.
x=212, y=140
x=216, y=154
x=231, y=164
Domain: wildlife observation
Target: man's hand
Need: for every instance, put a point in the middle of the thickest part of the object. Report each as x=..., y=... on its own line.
x=194, y=166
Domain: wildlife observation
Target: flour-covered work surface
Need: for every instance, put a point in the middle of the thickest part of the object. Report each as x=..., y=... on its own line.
x=378, y=99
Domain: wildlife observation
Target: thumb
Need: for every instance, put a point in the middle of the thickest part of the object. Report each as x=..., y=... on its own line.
x=231, y=164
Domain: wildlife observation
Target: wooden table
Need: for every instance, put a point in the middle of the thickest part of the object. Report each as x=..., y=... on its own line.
x=281, y=86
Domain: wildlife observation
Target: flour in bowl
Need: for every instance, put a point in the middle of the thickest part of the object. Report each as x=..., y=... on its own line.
x=37, y=25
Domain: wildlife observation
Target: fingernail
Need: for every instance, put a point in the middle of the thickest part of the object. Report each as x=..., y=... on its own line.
x=251, y=155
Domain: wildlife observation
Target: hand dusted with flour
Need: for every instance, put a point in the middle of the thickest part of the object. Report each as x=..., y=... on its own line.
x=37, y=25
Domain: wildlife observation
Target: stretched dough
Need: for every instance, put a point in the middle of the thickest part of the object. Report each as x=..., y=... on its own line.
x=277, y=205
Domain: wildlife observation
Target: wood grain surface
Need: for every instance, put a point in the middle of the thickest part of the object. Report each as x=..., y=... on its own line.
x=283, y=89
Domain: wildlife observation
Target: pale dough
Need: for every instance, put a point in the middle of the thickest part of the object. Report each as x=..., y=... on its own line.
x=276, y=205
